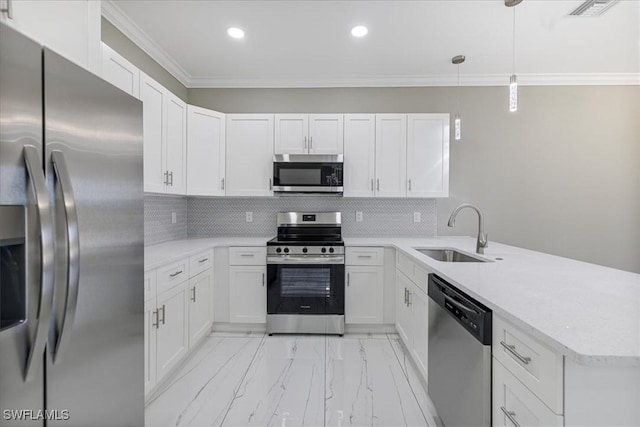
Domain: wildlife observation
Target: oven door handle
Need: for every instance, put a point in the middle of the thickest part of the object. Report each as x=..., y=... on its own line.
x=323, y=259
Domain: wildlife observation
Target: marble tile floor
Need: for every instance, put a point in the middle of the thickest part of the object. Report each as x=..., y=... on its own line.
x=293, y=380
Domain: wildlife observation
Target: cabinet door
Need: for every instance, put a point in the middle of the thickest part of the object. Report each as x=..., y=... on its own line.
x=391, y=155
x=176, y=145
x=363, y=295
x=173, y=332
x=428, y=155
x=150, y=327
x=359, y=155
x=247, y=294
x=249, y=150
x=200, y=314
x=326, y=134
x=153, y=96
x=404, y=318
x=205, y=152
x=291, y=134
x=120, y=72
x=513, y=403
x=419, y=305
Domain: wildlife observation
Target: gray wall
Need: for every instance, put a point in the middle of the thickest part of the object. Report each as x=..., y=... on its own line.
x=125, y=47
x=561, y=175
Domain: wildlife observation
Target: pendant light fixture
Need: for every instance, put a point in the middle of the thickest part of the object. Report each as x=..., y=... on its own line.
x=513, y=82
x=457, y=125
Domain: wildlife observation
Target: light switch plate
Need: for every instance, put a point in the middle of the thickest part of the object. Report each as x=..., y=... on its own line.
x=416, y=217
x=174, y=218
x=359, y=216
x=248, y=216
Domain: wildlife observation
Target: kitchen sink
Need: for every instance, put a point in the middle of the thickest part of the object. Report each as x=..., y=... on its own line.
x=448, y=255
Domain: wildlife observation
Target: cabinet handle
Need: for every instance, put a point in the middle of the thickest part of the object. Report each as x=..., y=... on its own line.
x=9, y=9
x=193, y=294
x=171, y=175
x=405, y=296
x=222, y=184
x=251, y=255
x=348, y=278
x=157, y=323
x=364, y=256
x=176, y=273
x=510, y=415
x=270, y=185
x=166, y=178
x=378, y=184
x=371, y=184
x=203, y=260
x=163, y=314
x=262, y=279
x=512, y=349
x=409, y=185
x=305, y=143
x=409, y=303
x=310, y=143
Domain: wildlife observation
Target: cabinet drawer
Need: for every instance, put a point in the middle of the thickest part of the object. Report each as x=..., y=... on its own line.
x=535, y=365
x=172, y=275
x=364, y=256
x=200, y=262
x=149, y=285
x=256, y=255
x=512, y=402
x=417, y=273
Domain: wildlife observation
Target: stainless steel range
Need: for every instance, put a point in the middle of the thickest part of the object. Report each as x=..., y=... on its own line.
x=305, y=271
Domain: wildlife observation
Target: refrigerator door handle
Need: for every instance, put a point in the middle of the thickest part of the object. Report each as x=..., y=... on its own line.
x=33, y=163
x=72, y=254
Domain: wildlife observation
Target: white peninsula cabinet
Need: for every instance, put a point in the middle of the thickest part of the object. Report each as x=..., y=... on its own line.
x=248, y=285
x=120, y=72
x=249, y=152
x=205, y=152
x=412, y=309
x=308, y=134
x=364, y=285
x=165, y=137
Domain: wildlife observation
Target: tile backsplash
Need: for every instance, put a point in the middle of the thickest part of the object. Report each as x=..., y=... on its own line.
x=381, y=217
x=158, y=227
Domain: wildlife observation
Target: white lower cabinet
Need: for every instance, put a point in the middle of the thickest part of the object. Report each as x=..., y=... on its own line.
x=412, y=318
x=364, y=290
x=515, y=405
x=247, y=285
x=150, y=319
x=200, y=316
x=172, y=335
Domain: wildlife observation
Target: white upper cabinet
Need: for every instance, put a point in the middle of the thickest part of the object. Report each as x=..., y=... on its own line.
x=70, y=28
x=391, y=155
x=165, y=138
x=176, y=145
x=154, y=99
x=120, y=72
x=308, y=134
x=428, y=155
x=205, y=152
x=249, y=155
x=359, y=155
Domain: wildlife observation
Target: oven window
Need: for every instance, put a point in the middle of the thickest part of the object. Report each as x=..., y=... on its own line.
x=305, y=282
x=300, y=176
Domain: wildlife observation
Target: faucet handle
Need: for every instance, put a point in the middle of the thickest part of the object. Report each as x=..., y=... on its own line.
x=484, y=241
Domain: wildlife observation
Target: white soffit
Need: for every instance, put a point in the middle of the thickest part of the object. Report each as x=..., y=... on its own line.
x=410, y=43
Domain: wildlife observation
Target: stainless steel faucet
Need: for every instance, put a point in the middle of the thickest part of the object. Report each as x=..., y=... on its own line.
x=482, y=236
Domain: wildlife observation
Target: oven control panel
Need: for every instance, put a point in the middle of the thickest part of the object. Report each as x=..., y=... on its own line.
x=305, y=250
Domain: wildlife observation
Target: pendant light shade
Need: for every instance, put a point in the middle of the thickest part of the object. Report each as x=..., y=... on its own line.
x=513, y=81
x=457, y=122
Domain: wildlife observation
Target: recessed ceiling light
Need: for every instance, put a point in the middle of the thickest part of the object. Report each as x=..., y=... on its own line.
x=236, y=33
x=359, y=31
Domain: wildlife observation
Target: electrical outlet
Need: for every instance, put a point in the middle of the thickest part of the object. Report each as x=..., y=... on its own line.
x=358, y=216
x=174, y=218
x=248, y=216
x=416, y=217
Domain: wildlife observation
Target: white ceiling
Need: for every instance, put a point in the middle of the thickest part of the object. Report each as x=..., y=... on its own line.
x=307, y=43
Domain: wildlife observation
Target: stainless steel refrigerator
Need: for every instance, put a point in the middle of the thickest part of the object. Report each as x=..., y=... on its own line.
x=71, y=243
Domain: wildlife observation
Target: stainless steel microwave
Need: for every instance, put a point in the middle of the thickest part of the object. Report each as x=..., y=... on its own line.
x=308, y=174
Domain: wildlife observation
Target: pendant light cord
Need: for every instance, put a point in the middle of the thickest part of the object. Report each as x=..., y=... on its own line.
x=514, y=41
x=458, y=91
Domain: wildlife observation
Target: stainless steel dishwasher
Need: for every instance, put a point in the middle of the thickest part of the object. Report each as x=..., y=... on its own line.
x=459, y=376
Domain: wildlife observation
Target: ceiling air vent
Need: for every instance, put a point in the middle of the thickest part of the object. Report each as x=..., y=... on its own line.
x=593, y=7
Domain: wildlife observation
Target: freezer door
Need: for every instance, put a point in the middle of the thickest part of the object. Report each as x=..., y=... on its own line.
x=20, y=266
x=93, y=156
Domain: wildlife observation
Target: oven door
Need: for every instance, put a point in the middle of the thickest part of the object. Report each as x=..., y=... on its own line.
x=301, y=287
x=308, y=174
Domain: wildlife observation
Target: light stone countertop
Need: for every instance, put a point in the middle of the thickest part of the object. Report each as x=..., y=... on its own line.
x=587, y=312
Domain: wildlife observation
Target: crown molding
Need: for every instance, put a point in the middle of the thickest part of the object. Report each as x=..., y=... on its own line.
x=122, y=22
x=416, y=81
